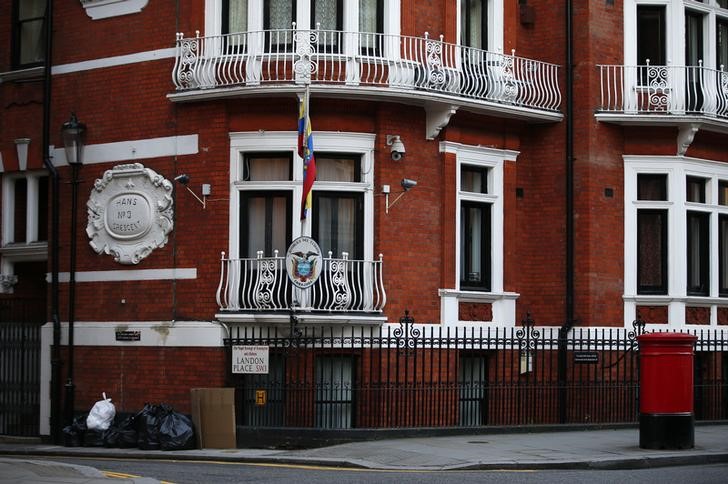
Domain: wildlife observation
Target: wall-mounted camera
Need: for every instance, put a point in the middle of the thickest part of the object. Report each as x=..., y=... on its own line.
x=396, y=149
x=408, y=183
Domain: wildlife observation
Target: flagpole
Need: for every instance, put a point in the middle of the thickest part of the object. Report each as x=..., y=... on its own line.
x=306, y=124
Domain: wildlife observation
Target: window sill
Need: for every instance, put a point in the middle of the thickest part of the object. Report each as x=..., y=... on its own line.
x=28, y=74
x=19, y=252
x=477, y=296
x=665, y=300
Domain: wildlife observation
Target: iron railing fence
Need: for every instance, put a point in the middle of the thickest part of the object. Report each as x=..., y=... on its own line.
x=20, y=326
x=262, y=284
x=434, y=376
x=363, y=59
x=664, y=90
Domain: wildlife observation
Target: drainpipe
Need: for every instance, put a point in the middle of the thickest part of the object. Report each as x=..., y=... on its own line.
x=569, y=320
x=56, y=348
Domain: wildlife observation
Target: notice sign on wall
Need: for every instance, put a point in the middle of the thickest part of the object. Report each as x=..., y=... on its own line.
x=250, y=359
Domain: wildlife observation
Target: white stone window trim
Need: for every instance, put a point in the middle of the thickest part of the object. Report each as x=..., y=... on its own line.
x=677, y=168
x=503, y=303
x=30, y=249
x=101, y=9
x=287, y=141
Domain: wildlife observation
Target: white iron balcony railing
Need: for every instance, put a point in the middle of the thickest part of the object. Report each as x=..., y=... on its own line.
x=262, y=285
x=664, y=90
x=354, y=59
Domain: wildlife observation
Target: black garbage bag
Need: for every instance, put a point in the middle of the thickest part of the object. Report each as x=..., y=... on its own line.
x=93, y=438
x=73, y=434
x=176, y=431
x=122, y=434
x=147, y=426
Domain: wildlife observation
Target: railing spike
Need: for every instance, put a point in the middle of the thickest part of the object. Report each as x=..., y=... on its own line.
x=222, y=255
x=197, y=34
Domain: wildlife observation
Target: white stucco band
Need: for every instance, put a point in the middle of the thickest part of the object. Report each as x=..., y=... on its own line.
x=160, y=334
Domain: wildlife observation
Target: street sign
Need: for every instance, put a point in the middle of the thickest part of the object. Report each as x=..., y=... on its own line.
x=250, y=360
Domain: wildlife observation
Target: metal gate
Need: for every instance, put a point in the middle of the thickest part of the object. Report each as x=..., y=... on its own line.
x=20, y=324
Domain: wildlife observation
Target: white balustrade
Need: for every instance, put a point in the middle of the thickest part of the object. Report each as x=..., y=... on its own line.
x=262, y=284
x=249, y=59
x=664, y=90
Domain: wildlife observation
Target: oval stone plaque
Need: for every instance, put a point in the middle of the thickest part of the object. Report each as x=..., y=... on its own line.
x=128, y=215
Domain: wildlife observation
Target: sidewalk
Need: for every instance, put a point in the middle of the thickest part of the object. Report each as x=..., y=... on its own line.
x=603, y=449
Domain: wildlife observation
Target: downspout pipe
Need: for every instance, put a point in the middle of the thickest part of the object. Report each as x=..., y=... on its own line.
x=55, y=417
x=569, y=316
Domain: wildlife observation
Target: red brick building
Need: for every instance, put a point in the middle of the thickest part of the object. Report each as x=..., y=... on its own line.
x=570, y=162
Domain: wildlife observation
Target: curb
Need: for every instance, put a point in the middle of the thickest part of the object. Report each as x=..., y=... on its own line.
x=606, y=464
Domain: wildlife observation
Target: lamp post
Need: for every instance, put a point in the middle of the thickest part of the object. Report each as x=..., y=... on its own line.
x=73, y=134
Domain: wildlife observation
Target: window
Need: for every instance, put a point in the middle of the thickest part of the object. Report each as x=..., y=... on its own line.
x=474, y=23
x=475, y=246
x=265, y=223
x=279, y=14
x=235, y=16
x=475, y=230
x=676, y=236
x=723, y=192
x=24, y=223
x=698, y=243
x=28, y=33
x=25, y=209
x=651, y=35
x=693, y=38
x=267, y=176
x=695, y=189
x=651, y=187
x=278, y=18
x=652, y=252
x=723, y=255
x=334, y=392
x=338, y=216
x=371, y=26
x=372, y=18
x=722, y=43
x=265, y=215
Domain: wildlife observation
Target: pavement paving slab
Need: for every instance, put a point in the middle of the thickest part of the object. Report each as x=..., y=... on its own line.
x=585, y=449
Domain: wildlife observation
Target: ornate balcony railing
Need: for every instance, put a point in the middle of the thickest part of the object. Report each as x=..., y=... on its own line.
x=664, y=90
x=262, y=285
x=354, y=59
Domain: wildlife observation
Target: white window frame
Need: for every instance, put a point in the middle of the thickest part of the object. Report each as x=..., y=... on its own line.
x=503, y=303
x=674, y=29
x=30, y=249
x=677, y=170
x=286, y=141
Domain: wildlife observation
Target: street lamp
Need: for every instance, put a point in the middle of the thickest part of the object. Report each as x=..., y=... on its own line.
x=74, y=135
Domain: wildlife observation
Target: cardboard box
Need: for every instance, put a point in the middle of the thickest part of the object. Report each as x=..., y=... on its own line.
x=213, y=413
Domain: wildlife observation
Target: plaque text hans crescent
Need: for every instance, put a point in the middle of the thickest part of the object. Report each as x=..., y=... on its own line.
x=128, y=215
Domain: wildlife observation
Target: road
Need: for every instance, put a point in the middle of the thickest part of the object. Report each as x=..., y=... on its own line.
x=193, y=472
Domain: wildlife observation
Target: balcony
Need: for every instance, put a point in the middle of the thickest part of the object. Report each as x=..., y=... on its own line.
x=415, y=70
x=259, y=290
x=686, y=97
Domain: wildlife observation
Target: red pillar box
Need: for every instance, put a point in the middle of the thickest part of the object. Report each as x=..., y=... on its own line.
x=667, y=420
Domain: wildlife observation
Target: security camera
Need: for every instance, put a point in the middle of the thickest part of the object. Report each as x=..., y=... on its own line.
x=182, y=179
x=397, y=149
x=408, y=183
